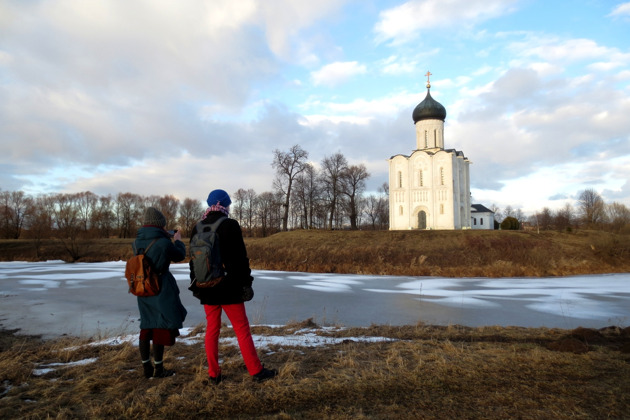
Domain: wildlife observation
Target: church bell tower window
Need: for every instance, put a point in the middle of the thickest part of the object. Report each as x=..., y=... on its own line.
x=441, y=176
x=399, y=179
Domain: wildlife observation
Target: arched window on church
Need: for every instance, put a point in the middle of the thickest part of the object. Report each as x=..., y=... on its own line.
x=435, y=137
x=399, y=179
x=426, y=139
x=400, y=210
x=420, y=179
x=441, y=208
x=441, y=176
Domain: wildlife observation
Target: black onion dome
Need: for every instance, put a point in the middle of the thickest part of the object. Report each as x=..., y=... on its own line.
x=429, y=109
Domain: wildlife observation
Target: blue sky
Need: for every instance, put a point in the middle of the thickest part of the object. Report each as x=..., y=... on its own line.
x=166, y=97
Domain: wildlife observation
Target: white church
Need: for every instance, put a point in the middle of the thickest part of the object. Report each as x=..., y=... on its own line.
x=431, y=188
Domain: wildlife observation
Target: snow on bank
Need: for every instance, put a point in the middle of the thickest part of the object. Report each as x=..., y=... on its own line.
x=307, y=337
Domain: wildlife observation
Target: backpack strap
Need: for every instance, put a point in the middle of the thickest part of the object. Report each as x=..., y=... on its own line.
x=217, y=223
x=144, y=251
x=213, y=226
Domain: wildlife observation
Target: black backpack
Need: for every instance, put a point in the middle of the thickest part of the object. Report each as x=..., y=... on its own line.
x=205, y=255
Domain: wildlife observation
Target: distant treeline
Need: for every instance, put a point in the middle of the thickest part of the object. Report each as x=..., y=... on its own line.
x=87, y=215
x=303, y=197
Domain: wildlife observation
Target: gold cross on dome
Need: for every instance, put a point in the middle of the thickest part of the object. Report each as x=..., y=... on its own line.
x=429, y=74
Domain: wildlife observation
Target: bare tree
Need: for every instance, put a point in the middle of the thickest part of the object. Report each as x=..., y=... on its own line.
x=238, y=205
x=545, y=219
x=591, y=207
x=267, y=212
x=331, y=173
x=498, y=214
x=13, y=208
x=190, y=213
x=39, y=221
x=86, y=203
x=129, y=208
x=383, y=206
x=69, y=223
x=244, y=209
x=169, y=206
x=618, y=216
x=353, y=184
x=103, y=218
x=288, y=165
x=565, y=217
x=306, y=195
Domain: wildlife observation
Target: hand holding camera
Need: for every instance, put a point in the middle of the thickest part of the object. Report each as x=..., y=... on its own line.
x=175, y=234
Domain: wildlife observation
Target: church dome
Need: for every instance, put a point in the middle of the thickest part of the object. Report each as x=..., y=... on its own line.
x=429, y=109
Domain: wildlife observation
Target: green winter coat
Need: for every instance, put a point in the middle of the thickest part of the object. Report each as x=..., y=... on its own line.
x=164, y=310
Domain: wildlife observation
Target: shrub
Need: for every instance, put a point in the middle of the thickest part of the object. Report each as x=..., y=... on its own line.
x=510, y=223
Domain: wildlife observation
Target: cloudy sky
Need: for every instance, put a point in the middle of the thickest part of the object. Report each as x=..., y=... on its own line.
x=181, y=97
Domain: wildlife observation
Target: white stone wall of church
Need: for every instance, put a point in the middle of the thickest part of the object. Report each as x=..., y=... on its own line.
x=398, y=193
x=482, y=221
x=429, y=134
x=443, y=187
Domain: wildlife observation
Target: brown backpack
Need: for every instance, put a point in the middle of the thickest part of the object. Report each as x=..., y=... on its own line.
x=142, y=278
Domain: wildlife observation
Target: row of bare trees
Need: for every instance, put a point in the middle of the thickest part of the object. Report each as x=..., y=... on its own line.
x=303, y=197
x=590, y=212
x=331, y=196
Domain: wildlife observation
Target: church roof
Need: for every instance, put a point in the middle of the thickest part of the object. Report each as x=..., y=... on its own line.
x=480, y=208
x=429, y=109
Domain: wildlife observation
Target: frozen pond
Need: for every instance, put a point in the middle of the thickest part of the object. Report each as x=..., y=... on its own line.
x=54, y=298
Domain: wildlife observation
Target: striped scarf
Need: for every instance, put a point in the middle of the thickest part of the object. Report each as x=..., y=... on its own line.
x=216, y=207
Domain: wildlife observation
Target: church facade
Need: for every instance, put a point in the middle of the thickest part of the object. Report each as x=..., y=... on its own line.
x=429, y=189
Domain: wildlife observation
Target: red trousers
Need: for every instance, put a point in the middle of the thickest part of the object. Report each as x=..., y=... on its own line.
x=240, y=323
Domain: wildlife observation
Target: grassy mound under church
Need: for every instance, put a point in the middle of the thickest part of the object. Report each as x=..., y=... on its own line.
x=468, y=253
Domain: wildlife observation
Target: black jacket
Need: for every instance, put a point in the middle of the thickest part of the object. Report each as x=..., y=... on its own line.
x=234, y=256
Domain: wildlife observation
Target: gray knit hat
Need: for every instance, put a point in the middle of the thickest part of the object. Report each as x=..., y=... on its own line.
x=154, y=217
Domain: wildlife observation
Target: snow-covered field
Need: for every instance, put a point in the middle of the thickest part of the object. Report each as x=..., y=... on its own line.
x=54, y=298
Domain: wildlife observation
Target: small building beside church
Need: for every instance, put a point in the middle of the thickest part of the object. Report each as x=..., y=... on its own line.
x=430, y=188
x=482, y=217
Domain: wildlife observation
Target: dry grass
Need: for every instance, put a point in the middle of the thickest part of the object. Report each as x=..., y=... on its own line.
x=444, y=253
x=425, y=372
x=417, y=253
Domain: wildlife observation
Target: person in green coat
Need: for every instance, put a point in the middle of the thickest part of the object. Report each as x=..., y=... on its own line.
x=161, y=316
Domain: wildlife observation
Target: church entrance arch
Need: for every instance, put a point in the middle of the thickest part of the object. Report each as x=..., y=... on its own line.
x=422, y=219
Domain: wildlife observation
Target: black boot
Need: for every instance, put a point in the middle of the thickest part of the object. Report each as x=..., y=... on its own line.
x=148, y=369
x=264, y=375
x=160, y=372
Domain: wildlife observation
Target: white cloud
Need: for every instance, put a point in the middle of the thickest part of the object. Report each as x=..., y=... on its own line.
x=95, y=94
x=202, y=174
x=403, y=23
x=394, y=65
x=553, y=50
x=336, y=73
x=622, y=10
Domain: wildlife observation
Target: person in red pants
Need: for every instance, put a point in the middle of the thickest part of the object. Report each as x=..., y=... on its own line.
x=230, y=294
